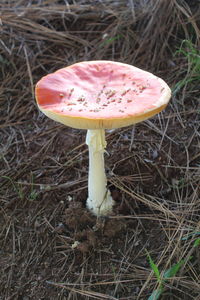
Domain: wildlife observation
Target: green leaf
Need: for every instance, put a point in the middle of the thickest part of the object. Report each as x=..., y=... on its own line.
x=173, y=270
x=156, y=294
x=154, y=267
x=197, y=242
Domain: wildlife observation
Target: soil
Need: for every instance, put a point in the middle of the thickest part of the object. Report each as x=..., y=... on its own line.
x=52, y=247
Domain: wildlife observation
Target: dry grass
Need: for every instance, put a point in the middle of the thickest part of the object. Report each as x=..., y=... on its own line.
x=153, y=169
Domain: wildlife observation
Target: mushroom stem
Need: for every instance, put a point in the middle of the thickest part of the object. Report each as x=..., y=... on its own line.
x=99, y=199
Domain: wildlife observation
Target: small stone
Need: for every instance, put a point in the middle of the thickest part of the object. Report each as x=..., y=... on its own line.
x=75, y=244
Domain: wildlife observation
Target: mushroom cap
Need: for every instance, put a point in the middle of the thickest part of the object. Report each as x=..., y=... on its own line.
x=101, y=95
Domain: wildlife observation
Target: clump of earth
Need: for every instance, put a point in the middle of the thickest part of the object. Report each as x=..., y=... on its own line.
x=89, y=232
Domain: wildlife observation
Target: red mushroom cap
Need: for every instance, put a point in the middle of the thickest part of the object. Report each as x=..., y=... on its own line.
x=101, y=94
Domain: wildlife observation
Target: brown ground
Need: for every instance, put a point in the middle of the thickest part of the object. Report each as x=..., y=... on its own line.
x=51, y=246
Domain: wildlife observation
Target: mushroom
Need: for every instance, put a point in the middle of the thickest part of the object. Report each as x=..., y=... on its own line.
x=99, y=95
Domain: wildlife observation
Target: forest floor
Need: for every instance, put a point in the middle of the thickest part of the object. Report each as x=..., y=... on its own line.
x=51, y=246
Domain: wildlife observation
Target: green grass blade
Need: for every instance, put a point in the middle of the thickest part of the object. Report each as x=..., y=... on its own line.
x=173, y=270
x=197, y=242
x=110, y=40
x=154, y=267
x=189, y=235
x=156, y=294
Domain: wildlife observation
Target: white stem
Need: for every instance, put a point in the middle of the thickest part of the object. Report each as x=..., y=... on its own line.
x=99, y=199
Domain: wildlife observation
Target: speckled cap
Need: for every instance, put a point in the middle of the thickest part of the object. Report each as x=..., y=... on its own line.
x=101, y=95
